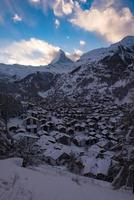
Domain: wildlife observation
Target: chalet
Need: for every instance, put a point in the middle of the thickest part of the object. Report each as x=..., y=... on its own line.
x=75, y=166
x=79, y=128
x=42, y=132
x=45, y=141
x=45, y=127
x=90, y=141
x=61, y=129
x=13, y=128
x=92, y=133
x=98, y=168
x=51, y=126
x=105, y=144
x=80, y=140
x=56, y=157
x=43, y=121
x=70, y=131
x=31, y=124
x=73, y=122
x=33, y=113
x=63, y=139
x=105, y=132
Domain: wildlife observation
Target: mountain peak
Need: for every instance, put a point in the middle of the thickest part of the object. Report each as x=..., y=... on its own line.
x=61, y=58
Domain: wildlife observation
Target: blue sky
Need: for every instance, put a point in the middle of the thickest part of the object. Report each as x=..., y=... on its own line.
x=76, y=26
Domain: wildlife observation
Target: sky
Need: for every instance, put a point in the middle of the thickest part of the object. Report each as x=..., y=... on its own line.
x=33, y=31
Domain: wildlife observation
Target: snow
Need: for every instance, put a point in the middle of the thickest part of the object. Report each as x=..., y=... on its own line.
x=54, y=154
x=120, y=83
x=96, y=55
x=44, y=94
x=99, y=54
x=127, y=41
x=44, y=141
x=47, y=183
x=96, y=166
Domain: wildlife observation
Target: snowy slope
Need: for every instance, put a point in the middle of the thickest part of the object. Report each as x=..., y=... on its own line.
x=99, y=54
x=47, y=183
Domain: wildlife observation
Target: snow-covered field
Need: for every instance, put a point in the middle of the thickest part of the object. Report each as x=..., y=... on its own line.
x=49, y=183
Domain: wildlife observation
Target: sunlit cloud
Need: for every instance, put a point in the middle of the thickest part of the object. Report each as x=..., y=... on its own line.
x=59, y=7
x=77, y=53
x=106, y=20
x=62, y=7
x=28, y=52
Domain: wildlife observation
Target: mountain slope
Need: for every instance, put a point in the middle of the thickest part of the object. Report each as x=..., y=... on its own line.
x=125, y=45
x=103, y=72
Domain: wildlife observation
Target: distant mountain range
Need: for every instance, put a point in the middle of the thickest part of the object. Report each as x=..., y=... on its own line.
x=60, y=64
x=97, y=74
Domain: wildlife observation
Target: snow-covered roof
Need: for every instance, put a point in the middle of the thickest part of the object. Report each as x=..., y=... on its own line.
x=60, y=135
x=96, y=165
x=30, y=117
x=54, y=154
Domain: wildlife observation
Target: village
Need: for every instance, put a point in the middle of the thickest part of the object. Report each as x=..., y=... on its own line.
x=83, y=138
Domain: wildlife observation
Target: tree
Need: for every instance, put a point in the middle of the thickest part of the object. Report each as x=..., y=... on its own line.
x=9, y=107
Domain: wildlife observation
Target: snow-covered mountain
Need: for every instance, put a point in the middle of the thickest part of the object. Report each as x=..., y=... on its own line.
x=61, y=59
x=101, y=72
x=125, y=45
x=106, y=71
x=60, y=64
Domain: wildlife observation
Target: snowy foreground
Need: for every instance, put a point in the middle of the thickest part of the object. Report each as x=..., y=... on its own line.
x=48, y=183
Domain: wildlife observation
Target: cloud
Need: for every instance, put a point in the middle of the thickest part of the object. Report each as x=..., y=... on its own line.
x=17, y=18
x=75, y=55
x=57, y=23
x=106, y=20
x=35, y=1
x=59, y=7
x=28, y=52
x=62, y=7
x=82, y=42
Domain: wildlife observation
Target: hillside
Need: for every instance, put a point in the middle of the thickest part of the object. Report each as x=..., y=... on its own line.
x=41, y=183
